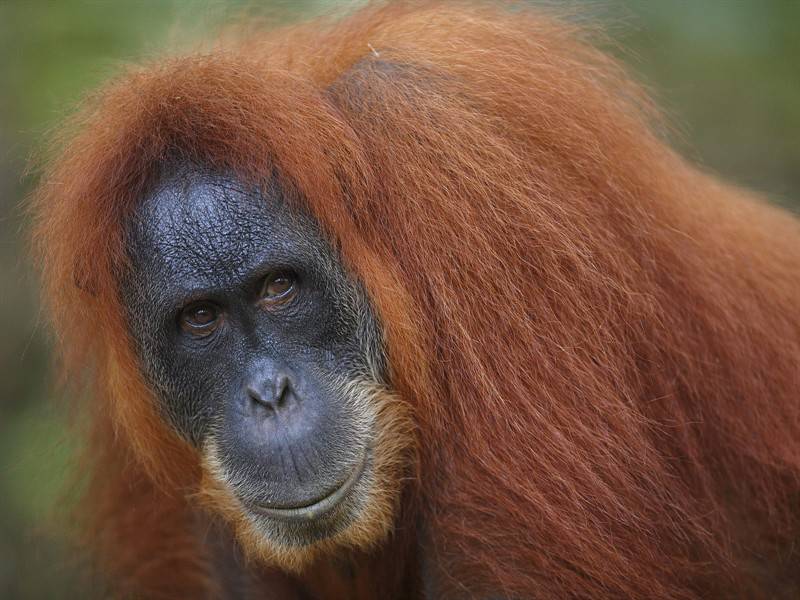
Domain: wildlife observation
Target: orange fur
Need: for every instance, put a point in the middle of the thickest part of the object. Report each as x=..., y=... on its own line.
x=600, y=345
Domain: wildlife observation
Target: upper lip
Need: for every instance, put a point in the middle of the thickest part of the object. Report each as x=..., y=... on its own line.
x=317, y=508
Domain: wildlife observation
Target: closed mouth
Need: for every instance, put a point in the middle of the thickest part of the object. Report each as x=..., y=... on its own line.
x=317, y=508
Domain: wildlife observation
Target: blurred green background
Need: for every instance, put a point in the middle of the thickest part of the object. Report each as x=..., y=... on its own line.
x=727, y=72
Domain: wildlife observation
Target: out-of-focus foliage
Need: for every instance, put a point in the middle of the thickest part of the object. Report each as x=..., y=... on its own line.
x=725, y=72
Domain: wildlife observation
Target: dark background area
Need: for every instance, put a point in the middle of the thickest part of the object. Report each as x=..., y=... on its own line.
x=727, y=73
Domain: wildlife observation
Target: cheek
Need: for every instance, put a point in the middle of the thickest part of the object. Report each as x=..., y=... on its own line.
x=191, y=387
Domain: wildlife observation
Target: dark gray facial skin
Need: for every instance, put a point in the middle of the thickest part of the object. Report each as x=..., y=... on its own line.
x=263, y=387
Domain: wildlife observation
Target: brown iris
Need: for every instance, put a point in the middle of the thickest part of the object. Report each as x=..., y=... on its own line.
x=201, y=318
x=277, y=288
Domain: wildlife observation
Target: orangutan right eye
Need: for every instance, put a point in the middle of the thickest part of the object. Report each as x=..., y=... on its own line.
x=200, y=318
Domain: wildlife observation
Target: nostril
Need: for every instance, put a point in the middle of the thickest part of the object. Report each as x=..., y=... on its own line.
x=272, y=397
x=282, y=390
x=258, y=398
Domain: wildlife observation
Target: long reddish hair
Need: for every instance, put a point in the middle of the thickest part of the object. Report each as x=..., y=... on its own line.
x=600, y=344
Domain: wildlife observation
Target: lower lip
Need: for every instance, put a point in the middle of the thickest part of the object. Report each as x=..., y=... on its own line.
x=312, y=512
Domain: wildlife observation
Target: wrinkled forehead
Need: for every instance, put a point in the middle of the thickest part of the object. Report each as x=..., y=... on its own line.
x=197, y=224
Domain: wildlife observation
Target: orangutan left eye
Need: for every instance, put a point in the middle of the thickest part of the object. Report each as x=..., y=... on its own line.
x=278, y=287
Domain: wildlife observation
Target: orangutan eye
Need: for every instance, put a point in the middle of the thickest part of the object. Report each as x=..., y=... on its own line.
x=200, y=319
x=278, y=287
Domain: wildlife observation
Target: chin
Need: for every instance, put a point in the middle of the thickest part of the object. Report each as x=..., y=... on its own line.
x=320, y=520
x=358, y=515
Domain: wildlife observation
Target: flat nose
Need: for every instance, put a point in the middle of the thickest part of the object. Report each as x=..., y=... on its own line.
x=272, y=392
